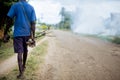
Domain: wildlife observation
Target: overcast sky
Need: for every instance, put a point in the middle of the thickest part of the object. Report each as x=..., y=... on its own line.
x=88, y=15
x=48, y=10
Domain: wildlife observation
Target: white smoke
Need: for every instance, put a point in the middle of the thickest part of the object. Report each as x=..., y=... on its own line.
x=114, y=24
x=90, y=15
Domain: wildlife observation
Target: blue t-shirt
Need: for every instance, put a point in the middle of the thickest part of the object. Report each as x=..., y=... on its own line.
x=21, y=25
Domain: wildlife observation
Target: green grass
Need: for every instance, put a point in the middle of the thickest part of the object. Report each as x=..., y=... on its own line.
x=35, y=59
x=112, y=39
x=6, y=50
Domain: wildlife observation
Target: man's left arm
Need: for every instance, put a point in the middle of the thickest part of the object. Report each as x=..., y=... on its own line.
x=33, y=24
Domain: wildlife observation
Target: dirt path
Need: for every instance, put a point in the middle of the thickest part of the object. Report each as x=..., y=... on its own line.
x=72, y=57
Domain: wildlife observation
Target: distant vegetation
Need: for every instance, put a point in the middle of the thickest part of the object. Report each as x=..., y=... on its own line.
x=113, y=39
x=66, y=20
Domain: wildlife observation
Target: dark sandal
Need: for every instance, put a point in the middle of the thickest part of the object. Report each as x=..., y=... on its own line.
x=19, y=76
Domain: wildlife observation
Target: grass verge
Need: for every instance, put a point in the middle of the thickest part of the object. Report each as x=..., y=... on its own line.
x=112, y=39
x=6, y=50
x=36, y=58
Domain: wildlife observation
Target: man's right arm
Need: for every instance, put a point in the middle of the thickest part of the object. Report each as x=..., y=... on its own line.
x=6, y=30
x=8, y=25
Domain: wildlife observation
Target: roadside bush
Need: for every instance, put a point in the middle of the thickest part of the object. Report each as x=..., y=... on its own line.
x=116, y=40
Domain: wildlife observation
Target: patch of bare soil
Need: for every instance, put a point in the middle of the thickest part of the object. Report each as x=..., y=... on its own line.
x=72, y=57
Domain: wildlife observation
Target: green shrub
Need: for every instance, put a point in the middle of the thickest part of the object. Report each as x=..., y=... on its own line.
x=116, y=40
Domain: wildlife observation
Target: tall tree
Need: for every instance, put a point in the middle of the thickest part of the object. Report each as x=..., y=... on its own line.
x=65, y=19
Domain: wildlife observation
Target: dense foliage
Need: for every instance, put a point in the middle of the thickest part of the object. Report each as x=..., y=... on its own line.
x=4, y=8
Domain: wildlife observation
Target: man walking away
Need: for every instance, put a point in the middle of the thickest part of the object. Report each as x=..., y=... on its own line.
x=24, y=29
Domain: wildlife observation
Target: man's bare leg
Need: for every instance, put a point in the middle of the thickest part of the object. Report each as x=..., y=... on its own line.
x=19, y=57
x=24, y=60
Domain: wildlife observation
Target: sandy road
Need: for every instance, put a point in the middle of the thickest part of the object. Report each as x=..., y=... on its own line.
x=72, y=57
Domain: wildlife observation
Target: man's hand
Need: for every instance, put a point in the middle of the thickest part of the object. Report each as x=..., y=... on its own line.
x=31, y=42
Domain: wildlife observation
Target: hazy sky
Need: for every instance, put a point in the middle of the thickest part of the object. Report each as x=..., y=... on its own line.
x=88, y=14
x=48, y=10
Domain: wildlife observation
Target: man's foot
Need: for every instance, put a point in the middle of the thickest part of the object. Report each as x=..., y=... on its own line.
x=20, y=76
